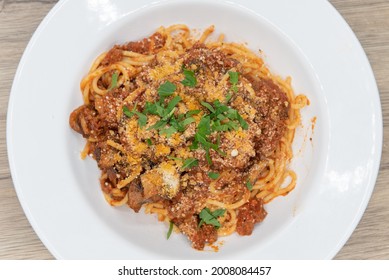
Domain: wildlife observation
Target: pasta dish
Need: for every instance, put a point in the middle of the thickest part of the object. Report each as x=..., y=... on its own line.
x=195, y=130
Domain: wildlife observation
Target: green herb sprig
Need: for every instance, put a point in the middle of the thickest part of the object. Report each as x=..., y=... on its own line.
x=186, y=163
x=142, y=118
x=114, y=81
x=249, y=185
x=190, y=78
x=213, y=175
x=170, y=230
x=234, y=78
x=169, y=123
x=220, y=118
x=210, y=218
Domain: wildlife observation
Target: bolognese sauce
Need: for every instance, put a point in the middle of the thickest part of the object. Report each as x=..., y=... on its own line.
x=197, y=131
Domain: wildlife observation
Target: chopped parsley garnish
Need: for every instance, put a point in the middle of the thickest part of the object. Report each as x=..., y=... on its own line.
x=166, y=112
x=169, y=231
x=127, y=112
x=192, y=112
x=175, y=158
x=176, y=124
x=153, y=108
x=221, y=118
x=114, y=81
x=210, y=218
x=158, y=125
x=213, y=175
x=228, y=97
x=190, y=78
x=187, y=163
x=181, y=122
x=249, y=185
x=166, y=89
x=168, y=131
x=142, y=118
x=234, y=77
x=208, y=106
x=149, y=142
x=170, y=106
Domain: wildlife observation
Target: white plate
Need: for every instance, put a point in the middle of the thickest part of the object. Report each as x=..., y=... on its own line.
x=308, y=40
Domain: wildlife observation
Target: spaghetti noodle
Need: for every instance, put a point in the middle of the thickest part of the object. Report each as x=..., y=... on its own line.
x=199, y=132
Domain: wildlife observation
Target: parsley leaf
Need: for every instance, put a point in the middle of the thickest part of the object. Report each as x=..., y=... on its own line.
x=181, y=124
x=213, y=175
x=166, y=114
x=204, y=126
x=149, y=142
x=234, y=77
x=228, y=97
x=142, y=118
x=158, y=125
x=114, y=81
x=194, y=145
x=168, y=131
x=172, y=104
x=210, y=218
x=175, y=158
x=187, y=121
x=169, y=231
x=153, y=109
x=242, y=122
x=127, y=112
x=208, y=106
x=249, y=185
x=189, y=163
x=166, y=89
x=208, y=156
x=192, y=112
x=190, y=78
x=221, y=118
x=233, y=114
x=218, y=212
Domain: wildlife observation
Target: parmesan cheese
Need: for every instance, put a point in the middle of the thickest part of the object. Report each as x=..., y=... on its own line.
x=171, y=179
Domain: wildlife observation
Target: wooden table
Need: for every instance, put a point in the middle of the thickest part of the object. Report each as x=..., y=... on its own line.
x=368, y=18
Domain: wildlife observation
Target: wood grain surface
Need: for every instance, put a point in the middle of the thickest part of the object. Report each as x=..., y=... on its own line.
x=369, y=19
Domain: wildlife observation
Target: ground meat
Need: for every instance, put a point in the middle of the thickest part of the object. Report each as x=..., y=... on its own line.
x=181, y=208
x=203, y=57
x=106, y=186
x=230, y=142
x=135, y=196
x=104, y=155
x=113, y=55
x=273, y=109
x=206, y=234
x=112, y=176
x=83, y=120
x=148, y=45
x=192, y=197
x=250, y=213
x=107, y=106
